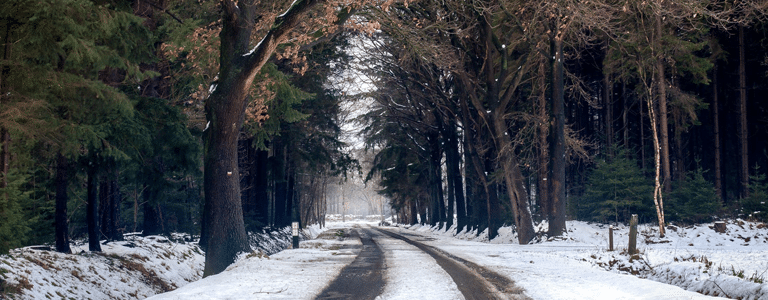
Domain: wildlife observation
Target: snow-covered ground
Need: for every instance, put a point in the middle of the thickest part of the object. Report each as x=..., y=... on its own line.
x=577, y=266
x=696, y=258
x=136, y=268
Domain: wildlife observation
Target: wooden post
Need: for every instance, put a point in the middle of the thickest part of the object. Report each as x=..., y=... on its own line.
x=632, y=235
x=610, y=238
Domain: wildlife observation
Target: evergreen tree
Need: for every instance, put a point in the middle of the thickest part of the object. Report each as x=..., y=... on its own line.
x=15, y=225
x=694, y=200
x=615, y=190
x=755, y=206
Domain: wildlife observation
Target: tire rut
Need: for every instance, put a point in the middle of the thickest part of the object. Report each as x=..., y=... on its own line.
x=363, y=277
x=474, y=281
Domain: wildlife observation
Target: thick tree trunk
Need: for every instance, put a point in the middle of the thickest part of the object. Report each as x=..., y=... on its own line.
x=743, y=144
x=92, y=211
x=716, y=132
x=223, y=229
x=557, y=181
x=61, y=225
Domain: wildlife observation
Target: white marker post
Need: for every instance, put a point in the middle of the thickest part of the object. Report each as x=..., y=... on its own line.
x=295, y=227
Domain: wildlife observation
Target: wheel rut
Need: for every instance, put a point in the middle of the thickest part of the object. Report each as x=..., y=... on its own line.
x=361, y=279
x=364, y=277
x=473, y=281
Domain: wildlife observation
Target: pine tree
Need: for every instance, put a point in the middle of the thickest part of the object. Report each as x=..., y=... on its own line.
x=15, y=225
x=615, y=190
x=694, y=200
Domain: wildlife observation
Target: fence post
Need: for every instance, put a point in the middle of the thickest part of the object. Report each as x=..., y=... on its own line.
x=610, y=238
x=632, y=235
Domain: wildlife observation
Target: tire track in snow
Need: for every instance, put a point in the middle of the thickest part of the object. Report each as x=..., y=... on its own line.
x=474, y=281
x=361, y=279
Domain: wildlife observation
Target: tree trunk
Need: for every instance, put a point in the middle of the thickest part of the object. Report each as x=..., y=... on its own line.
x=5, y=136
x=657, y=195
x=557, y=181
x=92, y=211
x=437, y=207
x=109, y=206
x=223, y=229
x=608, y=107
x=62, y=226
x=743, y=144
x=543, y=132
x=5, y=157
x=281, y=186
x=661, y=81
x=453, y=170
x=261, y=187
x=716, y=131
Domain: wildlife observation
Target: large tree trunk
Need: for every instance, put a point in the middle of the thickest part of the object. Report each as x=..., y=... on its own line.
x=223, y=229
x=743, y=144
x=557, y=181
x=61, y=225
x=92, y=211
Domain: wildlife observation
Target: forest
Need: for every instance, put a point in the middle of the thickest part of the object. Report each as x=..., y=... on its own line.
x=218, y=118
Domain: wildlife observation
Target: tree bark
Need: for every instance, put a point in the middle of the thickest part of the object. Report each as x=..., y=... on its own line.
x=224, y=228
x=716, y=131
x=281, y=185
x=543, y=152
x=557, y=181
x=453, y=170
x=657, y=195
x=261, y=185
x=437, y=207
x=5, y=157
x=663, y=129
x=92, y=211
x=743, y=138
x=61, y=225
x=608, y=107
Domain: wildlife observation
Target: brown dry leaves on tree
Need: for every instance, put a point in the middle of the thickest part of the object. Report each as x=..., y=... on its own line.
x=202, y=57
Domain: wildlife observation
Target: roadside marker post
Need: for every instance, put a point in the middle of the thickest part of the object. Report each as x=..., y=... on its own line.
x=295, y=227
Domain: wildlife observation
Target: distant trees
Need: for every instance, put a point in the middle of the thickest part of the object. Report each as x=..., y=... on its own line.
x=521, y=79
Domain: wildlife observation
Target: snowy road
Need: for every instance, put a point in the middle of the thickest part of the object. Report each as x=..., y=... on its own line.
x=409, y=272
